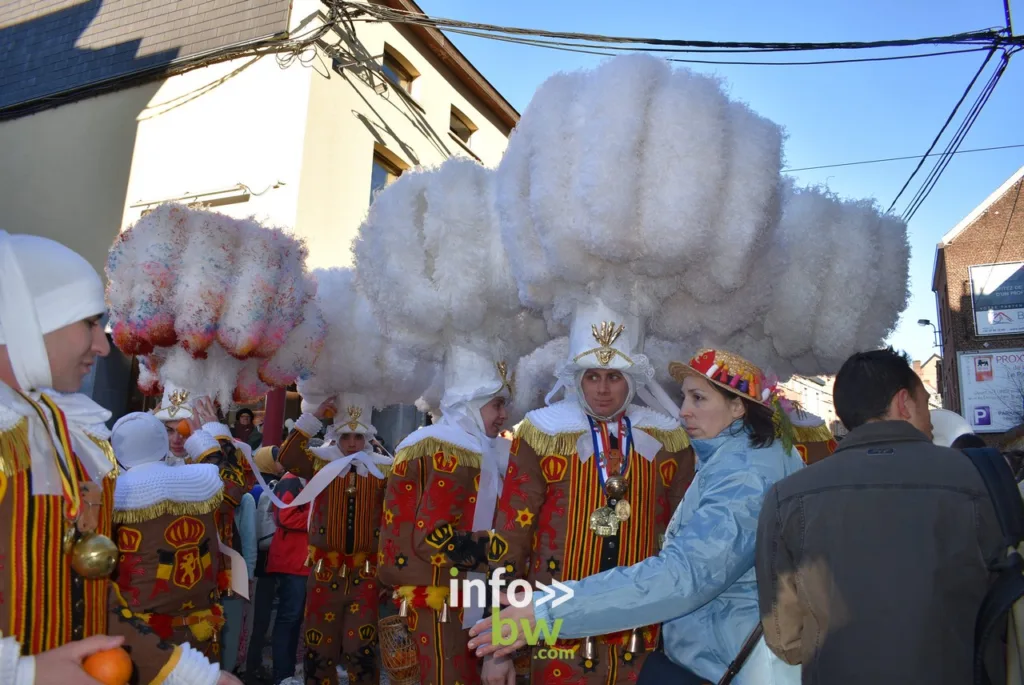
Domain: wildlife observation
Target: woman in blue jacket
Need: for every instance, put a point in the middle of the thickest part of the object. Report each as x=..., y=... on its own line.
x=702, y=584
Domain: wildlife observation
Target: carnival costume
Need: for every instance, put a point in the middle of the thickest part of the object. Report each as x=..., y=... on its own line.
x=360, y=371
x=439, y=281
x=57, y=474
x=167, y=537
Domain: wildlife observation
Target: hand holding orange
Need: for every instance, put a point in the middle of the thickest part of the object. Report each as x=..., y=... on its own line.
x=110, y=667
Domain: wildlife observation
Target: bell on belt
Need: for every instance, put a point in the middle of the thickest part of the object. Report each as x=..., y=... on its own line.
x=403, y=608
x=94, y=556
x=589, y=648
x=344, y=570
x=616, y=487
x=319, y=566
x=352, y=489
x=444, y=613
x=635, y=645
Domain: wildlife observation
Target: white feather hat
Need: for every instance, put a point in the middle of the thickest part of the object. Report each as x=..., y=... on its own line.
x=431, y=262
x=175, y=404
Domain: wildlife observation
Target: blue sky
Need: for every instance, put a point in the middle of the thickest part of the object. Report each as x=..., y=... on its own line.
x=832, y=113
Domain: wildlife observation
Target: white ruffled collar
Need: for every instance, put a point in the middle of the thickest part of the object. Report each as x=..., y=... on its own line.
x=85, y=421
x=567, y=417
x=149, y=484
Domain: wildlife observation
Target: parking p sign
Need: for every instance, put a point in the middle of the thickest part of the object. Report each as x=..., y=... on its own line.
x=982, y=416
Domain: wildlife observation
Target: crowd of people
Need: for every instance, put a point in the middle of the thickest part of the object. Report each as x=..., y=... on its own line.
x=594, y=358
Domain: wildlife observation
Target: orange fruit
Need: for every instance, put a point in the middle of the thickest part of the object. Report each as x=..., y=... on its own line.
x=111, y=667
x=184, y=430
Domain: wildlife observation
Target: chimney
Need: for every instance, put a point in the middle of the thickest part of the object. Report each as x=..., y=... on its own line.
x=917, y=367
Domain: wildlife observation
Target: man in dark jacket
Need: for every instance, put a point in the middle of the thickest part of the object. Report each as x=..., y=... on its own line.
x=872, y=564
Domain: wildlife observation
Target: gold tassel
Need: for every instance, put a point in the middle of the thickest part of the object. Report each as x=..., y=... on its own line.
x=635, y=645
x=819, y=433
x=589, y=648
x=674, y=440
x=15, y=455
x=135, y=516
x=428, y=447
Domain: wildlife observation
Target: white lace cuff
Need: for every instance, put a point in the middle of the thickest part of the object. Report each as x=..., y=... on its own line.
x=218, y=430
x=14, y=668
x=192, y=668
x=309, y=425
x=200, y=443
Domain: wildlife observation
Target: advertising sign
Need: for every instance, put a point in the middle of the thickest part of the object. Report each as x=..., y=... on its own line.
x=997, y=293
x=992, y=389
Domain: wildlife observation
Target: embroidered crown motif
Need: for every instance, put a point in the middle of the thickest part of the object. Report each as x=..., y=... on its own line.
x=507, y=381
x=177, y=399
x=353, y=414
x=606, y=334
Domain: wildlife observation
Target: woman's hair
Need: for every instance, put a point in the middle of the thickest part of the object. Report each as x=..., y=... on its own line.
x=968, y=441
x=757, y=419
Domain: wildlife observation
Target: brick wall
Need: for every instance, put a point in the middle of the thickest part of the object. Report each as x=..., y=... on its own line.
x=996, y=236
x=49, y=46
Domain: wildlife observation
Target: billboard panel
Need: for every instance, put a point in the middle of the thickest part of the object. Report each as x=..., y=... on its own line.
x=992, y=389
x=997, y=295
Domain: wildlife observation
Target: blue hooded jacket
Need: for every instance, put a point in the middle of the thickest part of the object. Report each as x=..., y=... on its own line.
x=702, y=584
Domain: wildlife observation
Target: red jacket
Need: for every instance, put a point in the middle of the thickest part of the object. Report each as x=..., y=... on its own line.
x=289, y=548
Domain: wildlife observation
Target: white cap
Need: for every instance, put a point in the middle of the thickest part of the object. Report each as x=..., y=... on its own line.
x=354, y=415
x=44, y=286
x=947, y=426
x=470, y=374
x=175, y=404
x=139, y=438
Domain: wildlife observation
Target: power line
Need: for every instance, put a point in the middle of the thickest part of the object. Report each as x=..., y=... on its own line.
x=945, y=125
x=961, y=134
x=589, y=49
x=897, y=159
x=377, y=12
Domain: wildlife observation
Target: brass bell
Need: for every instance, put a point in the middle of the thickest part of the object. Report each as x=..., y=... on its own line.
x=635, y=645
x=344, y=570
x=403, y=608
x=352, y=489
x=319, y=566
x=94, y=556
x=589, y=648
x=444, y=613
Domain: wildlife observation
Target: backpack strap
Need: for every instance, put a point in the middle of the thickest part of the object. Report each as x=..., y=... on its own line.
x=1009, y=586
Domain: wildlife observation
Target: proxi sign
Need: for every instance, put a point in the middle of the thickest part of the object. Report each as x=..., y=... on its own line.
x=992, y=389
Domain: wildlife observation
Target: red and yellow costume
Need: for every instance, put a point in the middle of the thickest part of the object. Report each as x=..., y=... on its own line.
x=431, y=499
x=343, y=593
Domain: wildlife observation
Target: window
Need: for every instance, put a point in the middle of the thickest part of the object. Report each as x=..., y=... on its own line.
x=460, y=126
x=398, y=71
x=384, y=172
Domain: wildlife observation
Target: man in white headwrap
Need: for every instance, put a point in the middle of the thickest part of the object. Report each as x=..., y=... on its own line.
x=444, y=485
x=56, y=475
x=175, y=407
x=167, y=539
x=347, y=480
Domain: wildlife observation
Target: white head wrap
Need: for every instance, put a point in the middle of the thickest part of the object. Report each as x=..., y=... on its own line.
x=44, y=286
x=139, y=438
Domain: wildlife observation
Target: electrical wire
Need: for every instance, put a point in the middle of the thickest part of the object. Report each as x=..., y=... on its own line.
x=958, y=138
x=897, y=159
x=604, y=51
x=945, y=125
x=377, y=12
